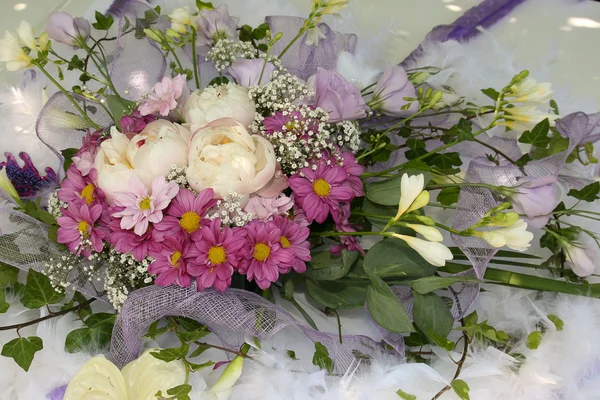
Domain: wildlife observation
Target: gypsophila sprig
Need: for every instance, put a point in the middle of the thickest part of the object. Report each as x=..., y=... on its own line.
x=230, y=211
x=226, y=51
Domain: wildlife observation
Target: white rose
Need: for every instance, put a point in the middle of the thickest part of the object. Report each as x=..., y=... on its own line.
x=212, y=103
x=225, y=157
x=147, y=155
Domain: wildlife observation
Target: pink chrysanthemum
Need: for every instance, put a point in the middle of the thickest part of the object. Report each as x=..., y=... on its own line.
x=293, y=239
x=320, y=191
x=186, y=212
x=164, y=97
x=78, y=188
x=263, y=253
x=78, y=229
x=290, y=122
x=216, y=255
x=171, y=262
x=140, y=207
x=127, y=241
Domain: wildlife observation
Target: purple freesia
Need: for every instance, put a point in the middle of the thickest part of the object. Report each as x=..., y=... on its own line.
x=216, y=24
x=248, y=72
x=340, y=98
x=390, y=91
x=537, y=198
x=63, y=28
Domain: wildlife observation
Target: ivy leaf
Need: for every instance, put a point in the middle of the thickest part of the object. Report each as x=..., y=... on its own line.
x=386, y=309
x=189, y=325
x=4, y=306
x=39, y=292
x=198, y=367
x=405, y=396
x=173, y=354
x=491, y=93
x=559, y=323
x=538, y=136
x=588, y=193
x=461, y=389
x=202, y=5
x=534, y=340
x=154, y=331
x=445, y=161
x=8, y=275
x=557, y=145
x=321, y=358
x=521, y=162
x=78, y=340
x=103, y=22
x=180, y=392
x=448, y=196
x=78, y=299
x=22, y=350
x=465, y=130
x=199, y=350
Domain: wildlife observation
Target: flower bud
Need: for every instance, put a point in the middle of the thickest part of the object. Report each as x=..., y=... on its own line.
x=426, y=220
x=63, y=28
x=44, y=41
x=230, y=376
x=8, y=187
x=428, y=232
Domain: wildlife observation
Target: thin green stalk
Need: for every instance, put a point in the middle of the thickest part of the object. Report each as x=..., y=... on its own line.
x=499, y=153
x=328, y=234
x=195, y=59
x=71, y=99
x=379, y=147
x=451, y=230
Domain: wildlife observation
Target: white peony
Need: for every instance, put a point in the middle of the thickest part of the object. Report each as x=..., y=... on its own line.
x=225, y=157
x=146, y=156
x=212, y=103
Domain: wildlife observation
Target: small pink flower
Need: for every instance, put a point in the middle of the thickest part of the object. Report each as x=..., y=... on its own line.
x=354, y=171
x=186, y=212
x=320, y=191
x=294, y=239
x=135, y=123
x=293, y=122
x=265, y=208
x=216, y=255
x=171, y=263
x=142, y=208
x=342, y=224
x=297, y=215
x=78, y=228
x=79, y=188
x=263, y=254
x=126, y=241
x=164, y=97
x=84, y=162
x=91, y=142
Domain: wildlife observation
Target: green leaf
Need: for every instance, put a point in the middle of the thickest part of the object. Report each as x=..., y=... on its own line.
x=588, y=193
x=415, y=144
x=538, y=136
x=198, y=367
x=199, y=350
x=103, y=22
x=100, y=320
x=559, y=323
x=39, y=292
x=22, y=350
x=326, y=267
x=4, y=306
x=119, y=106
x=395, y=258
x=416, y=339
x=554, y=107
x=405, y=396
x=193, y=335
x=534, y=340
x=386, y=309
x=88, y=338
x=154, y=331
x=557, y=144
x=173, y=354
x=8, y=275
x=465, y=130
x=461, y=389
x=521, y=162
x=431, y=283
x=218, y=81
x=292, y=355
x=448, y=196
x=321, y=358
x=341, y=294
x=78, y=340
x=445, y=161
x=431, y=314
x=440, y=341
x=202, y=5
x=491, y=93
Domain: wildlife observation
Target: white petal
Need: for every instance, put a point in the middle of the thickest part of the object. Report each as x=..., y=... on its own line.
x=98, y=379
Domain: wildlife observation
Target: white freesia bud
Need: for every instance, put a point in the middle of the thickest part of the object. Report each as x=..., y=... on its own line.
x=434, y=253
x=181, y=18
x=523, y=118
x=230, y=376
x=515, y=237
x=12, y=54
x=421, y=201
x=26, y=35
x=410, y=189
x=529, y=91
x=332, y=6
x=44, y=41
x=7, y=186
x=428, y=232
x=579, y=260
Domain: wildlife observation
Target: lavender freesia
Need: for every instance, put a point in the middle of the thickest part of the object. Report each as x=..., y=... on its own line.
x=216, y=24
x=63, y=28
x=537, y=198
x=390, y=92
x=340, y=98
x=249, y=73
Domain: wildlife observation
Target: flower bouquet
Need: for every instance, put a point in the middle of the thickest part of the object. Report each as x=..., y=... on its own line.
x=210, y=168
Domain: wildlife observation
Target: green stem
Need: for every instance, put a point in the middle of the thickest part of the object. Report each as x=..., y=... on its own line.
x=294, y=40
x=195, y=59
x=451, y=230
x=71, y=99
x=49, y=316
x=327, y=234
x=499, y=153
x=307, y=317
x=379, y=147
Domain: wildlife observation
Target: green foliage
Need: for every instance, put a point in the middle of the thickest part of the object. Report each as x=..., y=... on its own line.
x=326, y=267
x=22, y=350
x=68, y=156
x=77, y=300
x=321, y=358
x=154, y=331
x=534, y=340
x=96, y=334
x=340, y=294
x=8, y=275
x=119, y=107
x=461, y=389
x=431, y=283
x=394, y=258
x=559, y=323
x=38, y=291
x=172, y=354
x=588, y=193
x=405, y=396
x=481, y=331
x=491, y=93
x=440, y=341
x=33, y=209
x=218, y=81
x=103, y=22
x=448, y=196
x=556, y=145
x=386, y=309
x=4, y=306
x=180, y=392
x=430, y=314
x=204, y=5
x=292, y=355
x=446, y=162
x=538, y=136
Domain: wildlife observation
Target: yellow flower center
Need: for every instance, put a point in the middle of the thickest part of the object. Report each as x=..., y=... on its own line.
x=262, y=251
x=190, y=222
x=292, y=126
x=145, y=204
x=83, y=228
x=175, y=259
x=226, y=140
x=216, y=255
x=285, y=243
x=88, y=193
x=321, y=187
